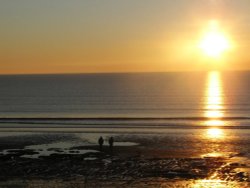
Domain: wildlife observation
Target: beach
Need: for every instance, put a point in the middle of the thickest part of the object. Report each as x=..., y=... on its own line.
x=175, y=157
x=140, y=94
x=169, y=130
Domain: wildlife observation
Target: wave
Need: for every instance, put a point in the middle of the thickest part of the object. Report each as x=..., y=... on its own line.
x=121, y=121
x=16, y=119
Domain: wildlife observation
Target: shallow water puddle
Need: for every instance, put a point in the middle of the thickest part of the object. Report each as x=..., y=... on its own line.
x=59, y=148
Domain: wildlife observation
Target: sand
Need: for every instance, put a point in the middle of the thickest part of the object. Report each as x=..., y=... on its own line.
x=138, y=160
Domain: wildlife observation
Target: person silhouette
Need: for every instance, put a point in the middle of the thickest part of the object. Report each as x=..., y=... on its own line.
x=111, y=142
x=100, y=141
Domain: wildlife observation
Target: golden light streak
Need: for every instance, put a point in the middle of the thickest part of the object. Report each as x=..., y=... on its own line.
x=215, y=123
x=215, y=133
x=214, y=96
x=214, y=106
x=214, y=183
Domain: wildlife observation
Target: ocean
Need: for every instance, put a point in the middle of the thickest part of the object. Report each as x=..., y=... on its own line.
x=192, y=126
x=174, y=99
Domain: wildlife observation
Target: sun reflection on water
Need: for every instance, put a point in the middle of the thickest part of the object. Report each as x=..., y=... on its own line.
x=216, y=183
x=214, y=113
x=214, y=96
x=215, y=133
x=214, y=123
x=214, y=105
x=215, y=136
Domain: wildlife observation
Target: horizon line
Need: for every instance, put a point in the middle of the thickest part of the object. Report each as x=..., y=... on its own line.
x=127, y=72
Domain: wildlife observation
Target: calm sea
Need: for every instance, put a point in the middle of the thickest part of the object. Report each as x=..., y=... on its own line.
x=133, y=99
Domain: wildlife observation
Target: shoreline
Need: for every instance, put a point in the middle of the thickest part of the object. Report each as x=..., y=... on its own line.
x=137, y=159
x=103, y=169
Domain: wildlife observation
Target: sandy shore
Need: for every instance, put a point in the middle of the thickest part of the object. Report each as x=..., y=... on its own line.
x=138, y=162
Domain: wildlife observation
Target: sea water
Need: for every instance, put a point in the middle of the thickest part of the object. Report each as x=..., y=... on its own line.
x=127, y=99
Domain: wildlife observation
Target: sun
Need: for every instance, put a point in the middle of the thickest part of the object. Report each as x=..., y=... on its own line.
x=214, y=42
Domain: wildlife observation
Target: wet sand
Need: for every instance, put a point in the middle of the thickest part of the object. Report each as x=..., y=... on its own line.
x=184, y=159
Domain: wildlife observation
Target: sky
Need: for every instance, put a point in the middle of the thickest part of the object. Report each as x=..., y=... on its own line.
x=84, y=36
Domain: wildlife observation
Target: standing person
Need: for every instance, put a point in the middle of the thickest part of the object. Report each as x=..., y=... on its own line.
x=111, y=142
x=100, y=141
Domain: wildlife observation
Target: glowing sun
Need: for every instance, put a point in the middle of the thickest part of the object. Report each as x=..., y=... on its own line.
x=214, y=43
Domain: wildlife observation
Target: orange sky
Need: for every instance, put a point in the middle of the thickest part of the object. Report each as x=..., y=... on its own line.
x=119, y=36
